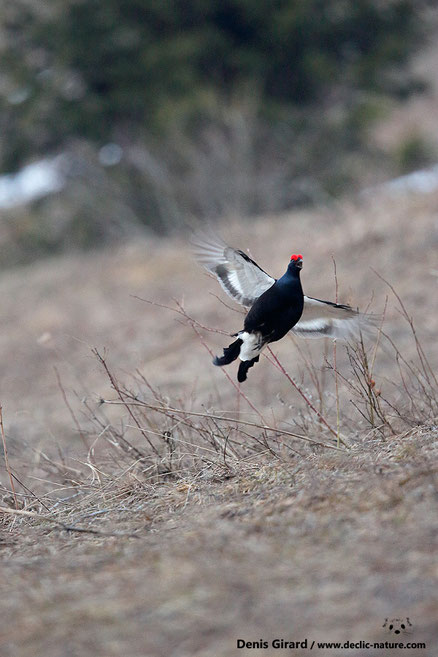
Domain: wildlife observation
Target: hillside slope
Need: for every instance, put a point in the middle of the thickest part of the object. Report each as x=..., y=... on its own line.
x=297, y=543
x=54, y=311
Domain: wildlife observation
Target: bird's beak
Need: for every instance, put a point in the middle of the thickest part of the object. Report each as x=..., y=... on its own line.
x=299, y=264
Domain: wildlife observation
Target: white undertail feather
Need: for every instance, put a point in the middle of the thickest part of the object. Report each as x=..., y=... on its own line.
x=252, y=345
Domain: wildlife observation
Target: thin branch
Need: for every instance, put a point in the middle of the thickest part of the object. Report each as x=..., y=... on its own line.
x=68, y=528
x=116, y=387
x=166, y=409
x=235, y=310
x=379, y=334
x=194, y=326
x=31, y=492
x=306, y=399
x=421, y=355
x=8, y=469
x=182, y=312
x=334, y=360
x=66, y=402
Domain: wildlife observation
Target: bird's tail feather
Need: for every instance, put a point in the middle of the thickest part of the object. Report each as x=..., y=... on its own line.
x=230, y=353
x=244, y=367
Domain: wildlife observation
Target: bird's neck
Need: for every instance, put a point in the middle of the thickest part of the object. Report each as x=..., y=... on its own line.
x=290, y=278
x=290, y=281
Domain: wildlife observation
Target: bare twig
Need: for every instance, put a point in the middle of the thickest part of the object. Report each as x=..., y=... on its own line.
x=34, y=495
x=427, y=369
x=306, y=399
x=66, y=402
x=235, y=310
x=117, y=389
x=180, y=311
x=8, y=469
x=334, y=360
x=379, y=334
x=166, y=409
x=62, y=525
x=196, y=327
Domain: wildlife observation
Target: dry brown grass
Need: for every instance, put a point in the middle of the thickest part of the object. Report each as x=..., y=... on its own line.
x=167, y=513
x=325, y=549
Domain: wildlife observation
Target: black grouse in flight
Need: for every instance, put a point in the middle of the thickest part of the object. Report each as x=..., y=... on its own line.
x=277, y=306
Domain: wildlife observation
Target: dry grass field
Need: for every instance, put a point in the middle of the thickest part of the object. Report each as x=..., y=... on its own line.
x=181, y=515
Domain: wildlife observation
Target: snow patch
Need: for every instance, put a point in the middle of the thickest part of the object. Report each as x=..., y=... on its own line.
x=33, y=181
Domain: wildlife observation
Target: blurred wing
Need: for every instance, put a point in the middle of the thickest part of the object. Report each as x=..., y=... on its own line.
x=241, y=278
x=325, y=319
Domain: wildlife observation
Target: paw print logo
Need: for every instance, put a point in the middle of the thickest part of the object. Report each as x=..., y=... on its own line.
x=398, y=625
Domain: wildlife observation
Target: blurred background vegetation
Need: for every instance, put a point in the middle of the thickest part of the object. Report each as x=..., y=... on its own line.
x=151, y=115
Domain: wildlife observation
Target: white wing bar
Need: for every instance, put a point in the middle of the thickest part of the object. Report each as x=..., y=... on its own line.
x=241, y=278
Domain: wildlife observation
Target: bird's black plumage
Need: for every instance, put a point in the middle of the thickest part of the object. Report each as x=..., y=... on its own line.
x=278, y=309
x=272, y=315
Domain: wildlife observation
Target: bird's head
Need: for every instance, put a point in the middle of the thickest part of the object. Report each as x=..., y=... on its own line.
x=296, y=262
